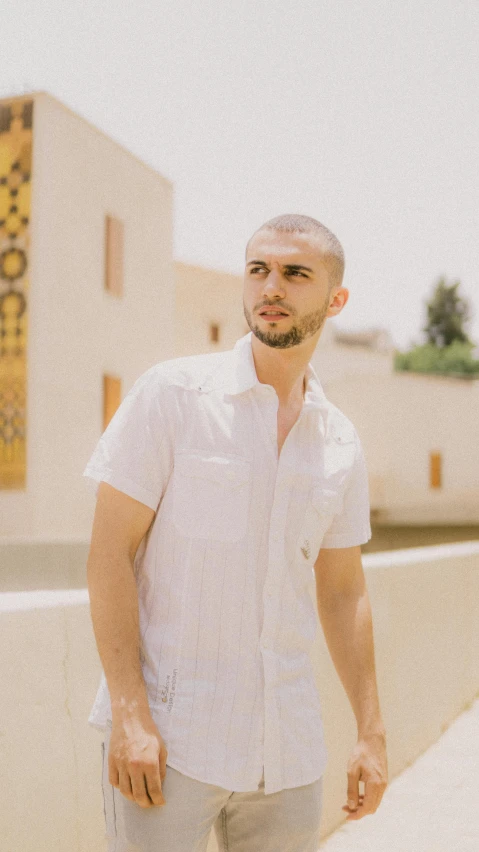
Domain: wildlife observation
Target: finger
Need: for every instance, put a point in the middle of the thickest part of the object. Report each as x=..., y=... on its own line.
x=138, y=787
x=353, y=787
x=348, y=809
x=113, y=774
x=372, y=797
x=125, y=784
x=153, y=785
x=162, y=758
x=357, y=814
x=368, y=806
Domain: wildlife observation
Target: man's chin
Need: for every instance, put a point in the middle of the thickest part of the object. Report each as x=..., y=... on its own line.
x=278, y=340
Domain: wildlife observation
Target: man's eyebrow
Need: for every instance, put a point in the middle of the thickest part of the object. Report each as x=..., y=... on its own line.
x=297, y=266
x=286, y=265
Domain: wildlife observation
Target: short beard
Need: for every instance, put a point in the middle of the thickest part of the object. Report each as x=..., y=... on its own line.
x=304, y=328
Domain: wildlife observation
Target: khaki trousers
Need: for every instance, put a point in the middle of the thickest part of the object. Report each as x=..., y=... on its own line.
x=286, y=821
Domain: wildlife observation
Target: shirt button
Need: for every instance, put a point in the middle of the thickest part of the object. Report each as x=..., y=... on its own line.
x=306, y=549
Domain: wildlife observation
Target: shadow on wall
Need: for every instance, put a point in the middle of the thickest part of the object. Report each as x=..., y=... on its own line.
x=398, y=537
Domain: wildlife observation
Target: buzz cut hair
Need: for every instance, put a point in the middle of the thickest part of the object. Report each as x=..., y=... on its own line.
x=331, y=248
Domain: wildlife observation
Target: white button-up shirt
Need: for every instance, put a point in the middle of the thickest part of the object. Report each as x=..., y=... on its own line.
x=224, y=574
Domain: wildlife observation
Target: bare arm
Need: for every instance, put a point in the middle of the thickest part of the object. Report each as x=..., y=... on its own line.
x=119, y=525
x=345, y=613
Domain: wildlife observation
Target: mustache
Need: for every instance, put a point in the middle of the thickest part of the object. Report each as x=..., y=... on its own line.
x=282, y=305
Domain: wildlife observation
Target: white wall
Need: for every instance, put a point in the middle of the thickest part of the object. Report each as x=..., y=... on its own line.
x=426, y=638
x=335, y=362
x=77, y=331
x=205, y=296
x=401, y=418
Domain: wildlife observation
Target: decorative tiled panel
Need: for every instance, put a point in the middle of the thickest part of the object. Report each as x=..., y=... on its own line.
x=16, y=118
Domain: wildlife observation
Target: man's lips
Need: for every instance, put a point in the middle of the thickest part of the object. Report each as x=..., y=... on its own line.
x=272, y=313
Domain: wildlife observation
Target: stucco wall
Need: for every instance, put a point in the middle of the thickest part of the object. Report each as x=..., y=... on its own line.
x=401, y=418
x=205, y=296
x=335, y=362
x=425, y=625
x=77, y=330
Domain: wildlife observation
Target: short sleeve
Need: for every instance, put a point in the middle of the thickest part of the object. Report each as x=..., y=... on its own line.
x=133, y=453
x=352, y=525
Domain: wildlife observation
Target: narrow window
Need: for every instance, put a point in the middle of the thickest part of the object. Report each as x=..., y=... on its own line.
x=111, y=398
x=114, y=239
x=435, y=463
x=214, y=333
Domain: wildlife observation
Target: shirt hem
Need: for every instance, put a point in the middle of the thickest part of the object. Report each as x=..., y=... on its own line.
x=244, y=788
x=122, y=483
x=180, y=768
x=346, y=541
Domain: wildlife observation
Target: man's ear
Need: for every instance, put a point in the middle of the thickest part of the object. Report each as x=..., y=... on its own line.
x=338, y=299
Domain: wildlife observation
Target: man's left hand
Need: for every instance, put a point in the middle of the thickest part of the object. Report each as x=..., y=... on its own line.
x=368, y=763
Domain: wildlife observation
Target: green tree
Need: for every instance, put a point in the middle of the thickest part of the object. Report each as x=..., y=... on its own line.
x=453, y=360
x=448, y=350
x=447, y=313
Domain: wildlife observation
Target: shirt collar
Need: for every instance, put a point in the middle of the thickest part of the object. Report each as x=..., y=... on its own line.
x=237, y=373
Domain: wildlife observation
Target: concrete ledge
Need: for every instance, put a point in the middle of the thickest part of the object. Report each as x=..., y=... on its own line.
x=42, y=599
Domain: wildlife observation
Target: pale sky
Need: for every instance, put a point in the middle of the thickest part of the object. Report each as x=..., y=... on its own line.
x=363, y=115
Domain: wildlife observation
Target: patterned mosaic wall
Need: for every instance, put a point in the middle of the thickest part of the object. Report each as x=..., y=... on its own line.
x=15, y=179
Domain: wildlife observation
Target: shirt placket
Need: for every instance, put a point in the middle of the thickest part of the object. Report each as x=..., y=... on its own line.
x=273, y=739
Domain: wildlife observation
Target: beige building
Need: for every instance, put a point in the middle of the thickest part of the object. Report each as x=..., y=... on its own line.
x=86, y=304
x=419, y=434
x=341, y=354
x=209, y=309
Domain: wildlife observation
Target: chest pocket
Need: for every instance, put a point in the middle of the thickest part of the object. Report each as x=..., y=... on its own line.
x=323, y=505
x=211, y=496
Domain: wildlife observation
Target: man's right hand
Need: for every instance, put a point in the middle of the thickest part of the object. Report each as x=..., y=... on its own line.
x=137, y=760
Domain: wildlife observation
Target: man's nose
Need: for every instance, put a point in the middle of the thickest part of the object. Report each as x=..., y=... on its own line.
x=274, y=284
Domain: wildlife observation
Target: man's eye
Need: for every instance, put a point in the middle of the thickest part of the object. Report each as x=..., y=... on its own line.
x=255, y=269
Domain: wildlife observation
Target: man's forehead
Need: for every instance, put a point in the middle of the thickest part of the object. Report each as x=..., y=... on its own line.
x=266, y=245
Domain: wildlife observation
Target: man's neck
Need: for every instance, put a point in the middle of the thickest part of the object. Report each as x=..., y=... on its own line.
x=284, y=369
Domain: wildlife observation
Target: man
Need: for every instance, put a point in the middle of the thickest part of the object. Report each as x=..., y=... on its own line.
x=227, y=483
